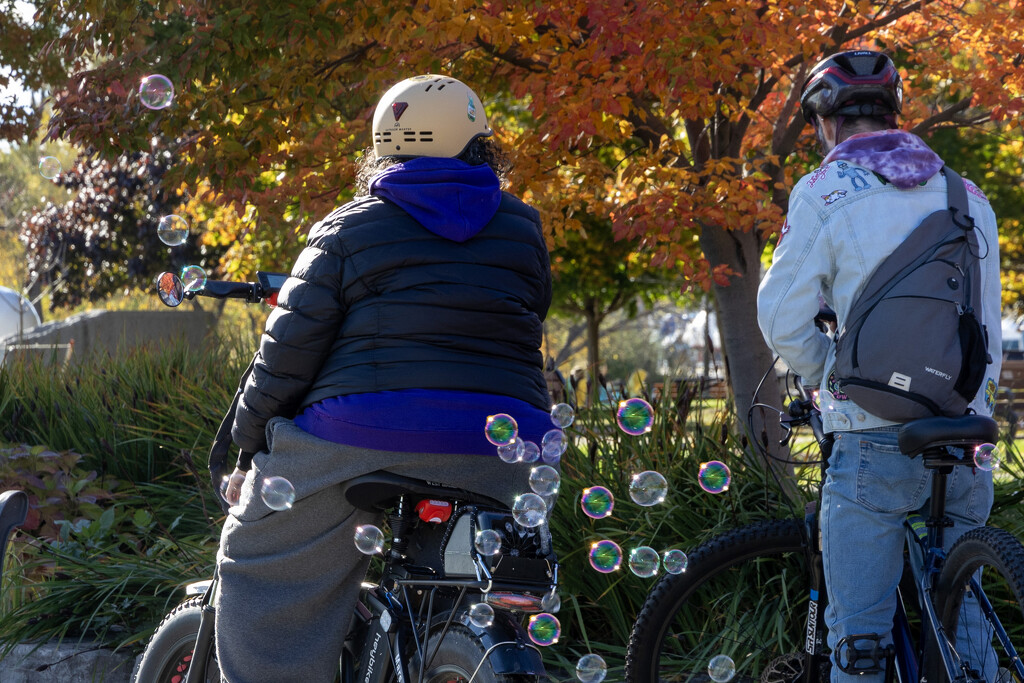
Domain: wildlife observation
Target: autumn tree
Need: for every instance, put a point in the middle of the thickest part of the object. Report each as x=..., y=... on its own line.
x=695, y=103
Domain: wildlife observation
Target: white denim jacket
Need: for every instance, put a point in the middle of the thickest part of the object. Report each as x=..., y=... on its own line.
x=843, y=220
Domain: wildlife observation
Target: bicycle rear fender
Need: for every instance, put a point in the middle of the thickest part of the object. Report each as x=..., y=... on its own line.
x=510, y=649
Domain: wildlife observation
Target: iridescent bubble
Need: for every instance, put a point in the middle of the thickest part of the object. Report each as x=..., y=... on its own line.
x=562, y=415
x=553, y=445
x=605, y=556
x=988, y=457
x=501, y=429
x=278, y=493
x=369, y=539
x=487, y=542
x=675, y=561
x=531, y=452
x=481, y=615
x=544, y=629
x=648, y=488
x=156, y=92
x=49, y=167
x=512, y=451
x=545, y=480
x=635, y=416
x=529, y=510
x=193, y=278
x=551, y=602
x=714, y=476
x=644, y=561
x=721, y=668
x=597, y=502
x=591, y=669
x=172, y=230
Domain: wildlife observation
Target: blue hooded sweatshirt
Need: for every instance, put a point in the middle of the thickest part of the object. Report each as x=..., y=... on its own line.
x=453, y=200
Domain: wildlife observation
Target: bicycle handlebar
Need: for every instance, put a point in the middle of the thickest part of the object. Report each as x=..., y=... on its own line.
x=172, y=291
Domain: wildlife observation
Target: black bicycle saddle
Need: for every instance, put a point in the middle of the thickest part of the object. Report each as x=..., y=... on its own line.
x=377, y=490
x=930, y=432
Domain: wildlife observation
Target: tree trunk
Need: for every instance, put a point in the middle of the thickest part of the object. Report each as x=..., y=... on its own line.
x=594, y=318
x=746, y=355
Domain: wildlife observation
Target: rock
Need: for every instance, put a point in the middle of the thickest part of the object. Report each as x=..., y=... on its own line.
x=67, y=662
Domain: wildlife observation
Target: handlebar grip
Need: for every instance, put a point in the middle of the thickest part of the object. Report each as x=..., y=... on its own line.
x=219, y=289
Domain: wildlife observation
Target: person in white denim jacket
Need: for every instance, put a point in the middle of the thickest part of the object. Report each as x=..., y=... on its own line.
x=875, y=185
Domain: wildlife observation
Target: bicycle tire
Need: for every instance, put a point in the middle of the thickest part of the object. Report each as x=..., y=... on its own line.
x=744, y=594
x=457, y=660
x=999, y=556
x=168, y=654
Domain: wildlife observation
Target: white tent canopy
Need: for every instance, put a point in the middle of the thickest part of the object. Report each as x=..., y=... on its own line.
x=17, y=316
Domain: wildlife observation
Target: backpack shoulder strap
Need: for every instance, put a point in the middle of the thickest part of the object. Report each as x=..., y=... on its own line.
x=957, y=192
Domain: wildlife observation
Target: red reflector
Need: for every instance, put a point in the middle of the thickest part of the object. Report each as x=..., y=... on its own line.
x=272, y=300
x=435, y=511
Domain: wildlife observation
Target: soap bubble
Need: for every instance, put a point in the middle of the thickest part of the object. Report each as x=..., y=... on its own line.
x=529, y=510
x=553, y=445
x=544, y=629
x=545, y=480
x=551, y=602
x=721, y=668
x=369, y=539
x=487, y=542
x=988, y=457
x=156, y=92
x=714, y=476
x=512, y=451
x=49, y=167
x=193, y=278
x=597, y=502
x=644, y=561
x=278, y=493
x=172, y=230
x=591, y=669
x=481, y=614
x=675, y=561
x=648, y=488
x=501, y=429
x=605, y=556
x=531, y=452
x=562, y=415
x=635, y=416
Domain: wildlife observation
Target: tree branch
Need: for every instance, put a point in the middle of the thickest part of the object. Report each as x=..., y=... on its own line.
x=946, y=115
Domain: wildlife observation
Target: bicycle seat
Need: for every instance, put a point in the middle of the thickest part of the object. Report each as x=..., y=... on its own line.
x=932, y=432
x=376, y=491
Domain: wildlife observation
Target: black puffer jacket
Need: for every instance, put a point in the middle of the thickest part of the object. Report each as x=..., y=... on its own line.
x=376, y=302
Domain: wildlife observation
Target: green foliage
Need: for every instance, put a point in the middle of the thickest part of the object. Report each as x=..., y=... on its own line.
x=60, y=491
x=140, y=414
x=598, y=610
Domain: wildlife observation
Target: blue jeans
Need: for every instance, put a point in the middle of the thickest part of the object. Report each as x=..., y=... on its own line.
x=869, y=489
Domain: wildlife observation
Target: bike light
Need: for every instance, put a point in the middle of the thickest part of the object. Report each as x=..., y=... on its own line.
x=514, y=602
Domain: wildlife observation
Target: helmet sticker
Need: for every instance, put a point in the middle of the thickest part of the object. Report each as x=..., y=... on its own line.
x=471, y=109
x=398, y=108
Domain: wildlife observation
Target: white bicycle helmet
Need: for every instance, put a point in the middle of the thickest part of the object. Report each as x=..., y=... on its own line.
x=428, y=116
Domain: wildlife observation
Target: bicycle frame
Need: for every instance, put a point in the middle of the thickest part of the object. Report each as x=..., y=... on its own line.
x=927, y=536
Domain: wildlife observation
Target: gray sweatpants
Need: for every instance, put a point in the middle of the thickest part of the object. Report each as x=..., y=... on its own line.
x=289, y=580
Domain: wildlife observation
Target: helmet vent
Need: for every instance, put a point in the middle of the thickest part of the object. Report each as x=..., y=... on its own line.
x=382, y=136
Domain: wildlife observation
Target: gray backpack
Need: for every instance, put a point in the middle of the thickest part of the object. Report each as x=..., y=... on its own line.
x=912, y=345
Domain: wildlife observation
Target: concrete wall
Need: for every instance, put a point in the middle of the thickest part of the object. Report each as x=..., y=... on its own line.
x=108, y=331
x=65, y=663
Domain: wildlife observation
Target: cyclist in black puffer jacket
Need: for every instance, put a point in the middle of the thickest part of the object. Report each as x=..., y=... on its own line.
x=412, y=314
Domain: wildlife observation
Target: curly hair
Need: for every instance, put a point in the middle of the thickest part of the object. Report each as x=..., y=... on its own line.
x=479, y=151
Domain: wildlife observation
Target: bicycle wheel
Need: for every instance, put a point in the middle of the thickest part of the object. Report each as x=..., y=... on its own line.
x=169, y=652
x=461, y=658
x=996, y=558
x=744, y=594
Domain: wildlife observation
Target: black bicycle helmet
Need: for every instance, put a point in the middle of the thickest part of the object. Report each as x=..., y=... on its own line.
x=854, y=83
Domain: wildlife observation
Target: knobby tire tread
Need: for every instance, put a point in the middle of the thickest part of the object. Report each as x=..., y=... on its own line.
x=156, y=660
x=985, y=546
x=768, y=537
